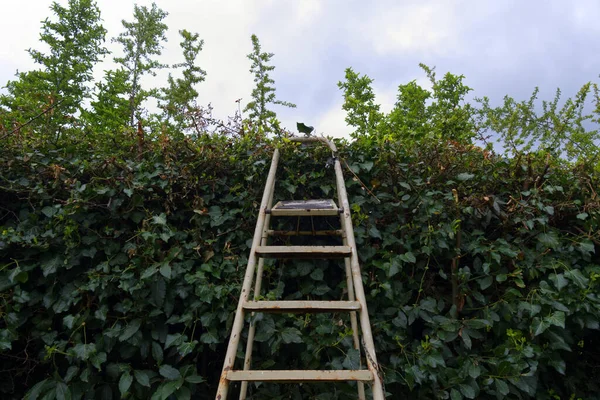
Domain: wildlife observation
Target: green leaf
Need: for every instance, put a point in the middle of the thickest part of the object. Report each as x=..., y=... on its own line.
x=183, y=393
x=36, y=390
x=164, y=391
x=165, y=270
x=549, y=240
x=467, y=390
x=142, y=377
x=194, y=379
x=576, y=276
x=159, y=291
x=317, y=274
x=538, y=326
x=559, y=280
x=62, y=391
x=587, y=246
x=409, y=257
x=157, y=352
x=209, y=338
x=352, y=359
x=125, y=382
x=455, y=394
x=131, y=328
x=98, y=359
x=485, y=282
x=84, y=351
x=173, y=339
x=557, y=318
x=48, y=211
x=474, y=371
x=502, y=387
x=68, y=321
x=291, y=335
x=169, y=372
x=582, y=216
x=559, y=365
x=465, y=176
x=186, y=348
x=160, y=219
x=71, y=372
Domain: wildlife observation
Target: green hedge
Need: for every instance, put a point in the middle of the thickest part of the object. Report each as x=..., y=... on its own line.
x=119, y=277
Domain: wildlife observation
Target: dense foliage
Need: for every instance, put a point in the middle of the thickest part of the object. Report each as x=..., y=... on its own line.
x=124, y=233
x=122, y=275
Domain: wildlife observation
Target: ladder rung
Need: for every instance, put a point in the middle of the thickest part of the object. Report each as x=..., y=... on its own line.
x=299, y=208
x=300, y=375
x=336, y=232
x=304, y=251
x=302, y=306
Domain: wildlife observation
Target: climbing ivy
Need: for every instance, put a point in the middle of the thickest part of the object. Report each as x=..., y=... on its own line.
x=119, y=276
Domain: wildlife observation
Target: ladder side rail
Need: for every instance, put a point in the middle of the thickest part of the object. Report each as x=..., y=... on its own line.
x=256, y=295
x=238, y=321
x=359, y=292
x=353, y=321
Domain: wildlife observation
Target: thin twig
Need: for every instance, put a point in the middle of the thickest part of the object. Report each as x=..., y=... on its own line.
x=33, y=119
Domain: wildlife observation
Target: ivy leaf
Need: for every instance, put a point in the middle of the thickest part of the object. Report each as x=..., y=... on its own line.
x=317, y=274
x=291, y=335
x=209, y=338
x=84, y=351
x=408, y=257
x=559, y=280
x=142, y=377
x=98, y=359
x=160, y=219
x=68, y=321
x=125, y=382
x=36, y=390
x=557, y=318
x=71, y=372
x=539, y=326
x=62, y=391
x=576, y=276
x=48, y=211
x=169, y=372
x=132, y=327
x=549, y=240
x=186, y=348
x=352, y=360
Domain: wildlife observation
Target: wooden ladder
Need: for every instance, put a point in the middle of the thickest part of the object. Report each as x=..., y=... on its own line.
x=356, y=303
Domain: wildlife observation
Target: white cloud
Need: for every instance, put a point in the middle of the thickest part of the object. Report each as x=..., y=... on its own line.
x=419, y=27
x=332, y=122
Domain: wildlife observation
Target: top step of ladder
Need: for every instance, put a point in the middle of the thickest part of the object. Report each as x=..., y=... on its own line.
x=299, y=208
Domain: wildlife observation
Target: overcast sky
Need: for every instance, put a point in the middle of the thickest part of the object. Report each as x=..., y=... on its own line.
x=502, y=47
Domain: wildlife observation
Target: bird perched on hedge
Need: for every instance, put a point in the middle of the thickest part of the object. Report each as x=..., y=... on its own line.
x=304, y=129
